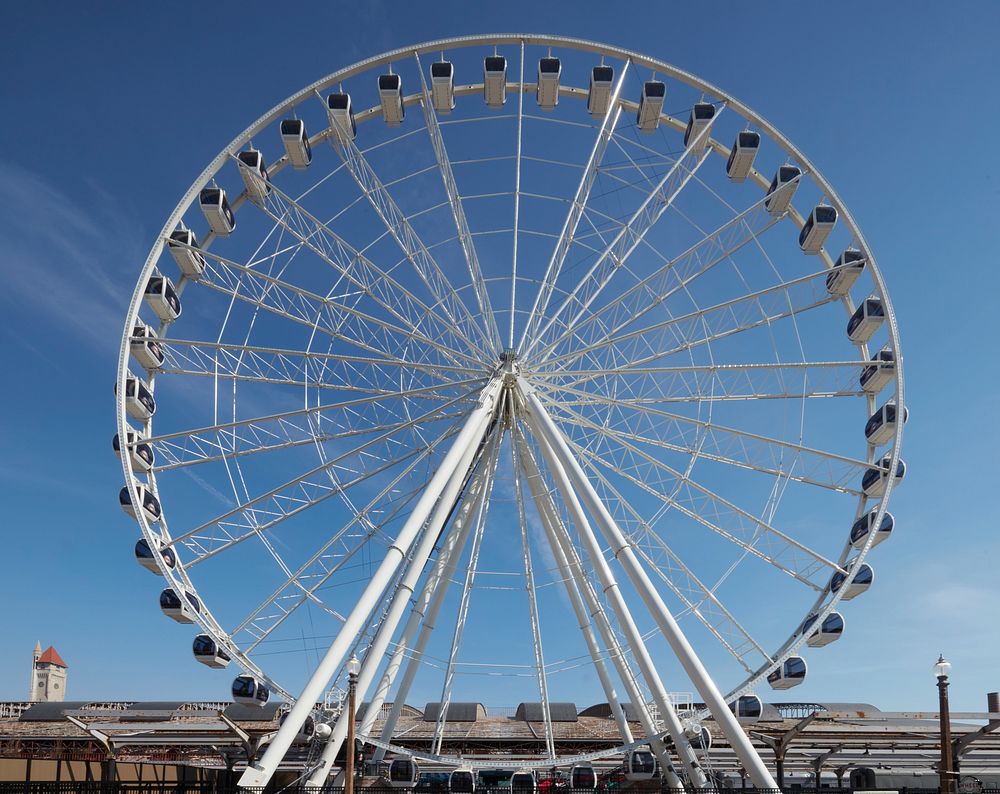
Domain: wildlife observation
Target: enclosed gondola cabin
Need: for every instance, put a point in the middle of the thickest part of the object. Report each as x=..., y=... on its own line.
x=462, y=781
x=250, y=691
x=853, y=584
x=139, y=452
x=341, y=113
x=306, y=731
x=747, y=708
x=495, y=81
x=162, y=298
x=183, y=248
x=830, y=630
x=144, y=347
x=881, y=425
x=139, y=402
x=817, y=228
x=782, y=189
x=207, y=651
x=582, y=776
x=866, y=320
x=547, y=89
x=881, y=371
x=861, y=528
x=183, y=611
x=215, y=207
x=701, y=117
x=788, y=674
x=145, y=557
x=874, y=480
x=443, y=86
x=599, y=92
x=742, y=155
x=295, y=139
x=640, y=765
x=150, y=505
x=523, y=782
x=390, y=96
x=846, y=269
x=647, y=118
x=403, y=773
x=701, y=739
x=254, y=174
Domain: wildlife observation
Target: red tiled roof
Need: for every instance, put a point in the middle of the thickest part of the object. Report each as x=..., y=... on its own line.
x=51, y=656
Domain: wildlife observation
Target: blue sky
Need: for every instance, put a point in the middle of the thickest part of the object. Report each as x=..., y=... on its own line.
x=117, y=109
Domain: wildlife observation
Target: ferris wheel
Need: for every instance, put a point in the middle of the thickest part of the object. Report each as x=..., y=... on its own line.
x=511, y=358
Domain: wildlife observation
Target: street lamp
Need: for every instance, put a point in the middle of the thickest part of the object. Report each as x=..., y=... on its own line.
x=941, y=670
x=353, y=666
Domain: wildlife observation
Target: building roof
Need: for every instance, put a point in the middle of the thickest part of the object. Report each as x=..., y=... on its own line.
x=51, y=656
x=535, y=712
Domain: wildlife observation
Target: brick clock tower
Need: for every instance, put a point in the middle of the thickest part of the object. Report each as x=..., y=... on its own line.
x=48, y=675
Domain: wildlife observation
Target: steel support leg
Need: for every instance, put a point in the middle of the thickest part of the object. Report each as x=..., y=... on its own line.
x=259, y=774
x=624, y=553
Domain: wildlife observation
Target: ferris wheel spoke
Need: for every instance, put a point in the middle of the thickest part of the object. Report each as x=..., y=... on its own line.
x=337, y=319
x=387, y=293
x=632, y=233
x=675, y=274
x=458, y=212
x=697, y=502
x=517, y=199
x=659, y=340
x=333, y=477
x=698, y=599
x=331, y=558
x=645, y=424
x=459, y=319
x=577, y=211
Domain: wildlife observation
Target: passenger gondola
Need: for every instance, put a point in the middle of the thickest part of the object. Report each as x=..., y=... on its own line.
x=523, y=782
x=296, y=142
x=788, y=674
x=184, y=248
x=207, y=651
x=861, y=528
x=853, y=584
x=881, y=371
x=701, y=116
x=254, y=174
x=701, y=738
x=782, y=189
x=830, y=630
x=881, y=426
x=403, y=773
x=162, y=298
x=647, y=118
x=443, y=86
x=846, y=270
x=640, y=765
x=215, y=207
x=747, y=708
x=145, y=557
x=599, y=93
x=582, y=776
x=306, y=732
x=174, y=608
x=742, y=155
x=866, y=320
x=390, y=96
x=462, y=781
x=150, y=504
x=495, y=81
x=139, y=402
x=817, y=228
x=144, y=347
x=341, y=112
x=874, y=480
x=547, y=89
x=250, y=691
x=140, y=453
